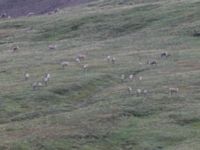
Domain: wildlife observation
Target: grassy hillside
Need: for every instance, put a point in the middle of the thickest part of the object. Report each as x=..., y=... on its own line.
x=92, y=110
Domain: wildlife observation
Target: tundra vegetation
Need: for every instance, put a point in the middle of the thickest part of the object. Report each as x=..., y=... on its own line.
x=90, y=108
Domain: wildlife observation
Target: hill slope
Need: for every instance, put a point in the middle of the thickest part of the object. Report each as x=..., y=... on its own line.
x=92, y=109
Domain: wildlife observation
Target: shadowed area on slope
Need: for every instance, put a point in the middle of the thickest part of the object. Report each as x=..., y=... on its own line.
x=17, y=8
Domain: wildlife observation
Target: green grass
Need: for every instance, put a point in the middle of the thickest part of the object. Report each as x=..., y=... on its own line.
x=92, y=110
